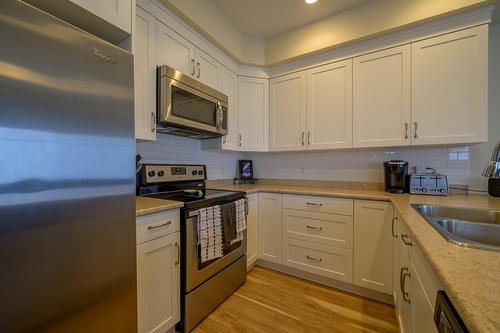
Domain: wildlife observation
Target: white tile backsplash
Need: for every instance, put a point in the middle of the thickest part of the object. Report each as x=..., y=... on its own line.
x=349, y=165
x=364, y=165
x=174, y=149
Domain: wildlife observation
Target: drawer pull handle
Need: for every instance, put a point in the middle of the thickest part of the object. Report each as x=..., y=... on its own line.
x=392, y=230
x=314, y=259
x=314, y=204
x=161, y=225
x=405, y=272
x=314, y=228
x=405, y=240
x=178, y=253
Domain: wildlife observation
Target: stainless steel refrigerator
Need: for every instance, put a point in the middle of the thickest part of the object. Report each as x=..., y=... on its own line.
x=67, y=186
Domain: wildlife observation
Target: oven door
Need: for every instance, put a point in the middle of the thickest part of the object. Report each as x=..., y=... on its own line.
x=198, y=272
x=186, y=107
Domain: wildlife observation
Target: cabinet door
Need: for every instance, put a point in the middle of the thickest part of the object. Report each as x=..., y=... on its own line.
x=395, y=248
x=158, y=284
x=381, y=102
x=288, y=112
x=116, y=12
x=329, y=106
x=404, y=282
x=145, y=75
x=229, y=87
x=422, y=313
x=450, y=88
x=252, y=229
x=270, y=227
x=373, y=245
x=208, y=69
x=253, y=114
x=174, y=50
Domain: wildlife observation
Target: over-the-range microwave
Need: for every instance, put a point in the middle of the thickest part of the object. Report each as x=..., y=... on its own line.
x=187, y=107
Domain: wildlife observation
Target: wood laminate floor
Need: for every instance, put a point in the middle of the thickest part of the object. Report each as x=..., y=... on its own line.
x=271, y=301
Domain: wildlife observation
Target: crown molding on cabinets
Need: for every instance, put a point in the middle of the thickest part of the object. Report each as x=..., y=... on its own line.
x=412, y=34
x=253, y=71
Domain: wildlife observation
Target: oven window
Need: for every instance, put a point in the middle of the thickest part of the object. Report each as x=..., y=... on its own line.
x=226, y=249
x=189, y=106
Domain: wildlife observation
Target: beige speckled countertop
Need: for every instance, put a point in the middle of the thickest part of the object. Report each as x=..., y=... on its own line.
x=144, y=206
x=470, y=277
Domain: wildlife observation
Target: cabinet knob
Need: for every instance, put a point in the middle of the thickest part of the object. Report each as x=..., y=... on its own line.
x=193, y=71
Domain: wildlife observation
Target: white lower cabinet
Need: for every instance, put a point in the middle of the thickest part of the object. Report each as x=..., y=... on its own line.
x=269, y=227
x=373, y=245
x=252, y=229
x=324, y=260
x=158, y=272
x=417, y=287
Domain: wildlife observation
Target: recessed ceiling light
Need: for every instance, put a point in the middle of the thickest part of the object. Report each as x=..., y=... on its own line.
x=310, y=1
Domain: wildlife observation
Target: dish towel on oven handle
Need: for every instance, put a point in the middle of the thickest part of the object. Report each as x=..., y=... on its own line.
x=241, y=220
x=209, y=229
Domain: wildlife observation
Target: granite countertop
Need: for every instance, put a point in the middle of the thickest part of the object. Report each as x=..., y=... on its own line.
x=144, y=206
x=470, y=277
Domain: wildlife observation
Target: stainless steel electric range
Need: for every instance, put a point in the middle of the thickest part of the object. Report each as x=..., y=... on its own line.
x=204, y=285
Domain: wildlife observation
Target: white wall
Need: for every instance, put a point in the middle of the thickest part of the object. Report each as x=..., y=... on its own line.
x=480, y=154
x=173, y=149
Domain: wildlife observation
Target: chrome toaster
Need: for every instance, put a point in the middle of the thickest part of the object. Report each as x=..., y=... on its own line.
x=428, y=183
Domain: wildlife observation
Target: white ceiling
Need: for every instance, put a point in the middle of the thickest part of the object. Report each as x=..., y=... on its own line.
x=266, y=18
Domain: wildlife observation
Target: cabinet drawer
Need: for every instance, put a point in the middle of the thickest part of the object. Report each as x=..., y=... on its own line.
x=328, y=261
x=319, y=204
x=157, y=225
x=329, y=229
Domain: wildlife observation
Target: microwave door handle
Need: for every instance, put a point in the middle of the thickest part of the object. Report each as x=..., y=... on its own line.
x=221, y=122
x=216, y=116
x=219, y=116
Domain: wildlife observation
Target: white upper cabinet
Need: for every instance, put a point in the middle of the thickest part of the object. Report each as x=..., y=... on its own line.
x=175, y=51
x=208, y=70
x=229, y=87
x=145, y=75
x=381, y=102
x=116, y=12
x=288, y=112
x=329, y=106
x=450, y=88
x=253, y=114
x=179, y=53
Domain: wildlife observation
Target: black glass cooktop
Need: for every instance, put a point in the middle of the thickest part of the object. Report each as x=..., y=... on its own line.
x=196, y=198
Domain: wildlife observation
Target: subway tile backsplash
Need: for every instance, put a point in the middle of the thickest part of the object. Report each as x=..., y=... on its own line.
x=173, y=149
x=363, y=165
x=352, y=165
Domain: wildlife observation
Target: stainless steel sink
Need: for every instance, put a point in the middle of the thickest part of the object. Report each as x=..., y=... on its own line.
x=477, y=228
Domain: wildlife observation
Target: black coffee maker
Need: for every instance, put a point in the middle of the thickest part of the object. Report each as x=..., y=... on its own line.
x=395, y=173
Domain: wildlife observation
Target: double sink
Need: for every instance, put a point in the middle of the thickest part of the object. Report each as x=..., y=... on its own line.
x=476, y=228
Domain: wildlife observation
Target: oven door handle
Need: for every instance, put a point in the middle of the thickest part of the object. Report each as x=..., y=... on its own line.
x=193, y=213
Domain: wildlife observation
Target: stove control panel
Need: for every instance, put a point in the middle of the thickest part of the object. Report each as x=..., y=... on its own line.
x=425, y=183
x=157, y=173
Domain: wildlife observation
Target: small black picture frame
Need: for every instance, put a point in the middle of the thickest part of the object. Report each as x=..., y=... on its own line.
x=245, y=169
